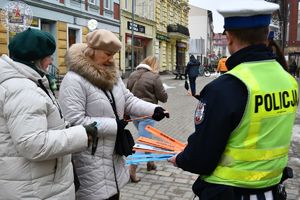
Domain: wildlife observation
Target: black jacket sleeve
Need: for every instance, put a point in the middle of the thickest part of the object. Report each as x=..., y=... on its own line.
x=224, y=102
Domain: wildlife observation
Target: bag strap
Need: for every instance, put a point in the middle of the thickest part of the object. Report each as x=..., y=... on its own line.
x=112, y=103
x=42, y=86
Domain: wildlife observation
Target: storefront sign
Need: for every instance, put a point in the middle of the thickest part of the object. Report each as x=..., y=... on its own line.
x=162, y=37
x=136, y=27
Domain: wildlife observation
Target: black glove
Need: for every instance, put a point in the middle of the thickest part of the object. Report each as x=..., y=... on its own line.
x=91, y=131
x=121, y=124
x=160, y=113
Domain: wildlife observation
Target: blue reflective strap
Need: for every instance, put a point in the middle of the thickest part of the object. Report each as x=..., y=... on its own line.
x=136, y=161
x=139, y=158
x=154, y=155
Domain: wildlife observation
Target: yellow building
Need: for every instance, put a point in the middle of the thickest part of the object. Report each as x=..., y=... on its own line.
x=140, y=28
x=66, y=20
x=172, y=33
x=160, y=29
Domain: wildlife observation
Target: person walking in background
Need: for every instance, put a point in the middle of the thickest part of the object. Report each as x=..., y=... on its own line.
x=35, y=147
x=92, y=90
x=146, y=84
x=293, y=68
x=241, y=142
x=222, y=65
x=192, y=71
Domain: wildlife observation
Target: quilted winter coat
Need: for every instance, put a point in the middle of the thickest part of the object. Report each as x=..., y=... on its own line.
x=83, y=102
x=35, y=153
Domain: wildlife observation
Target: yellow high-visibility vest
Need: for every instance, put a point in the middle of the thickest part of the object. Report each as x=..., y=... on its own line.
x=257, y=150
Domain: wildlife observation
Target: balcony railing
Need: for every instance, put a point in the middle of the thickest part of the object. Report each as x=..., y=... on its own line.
x=178, y=28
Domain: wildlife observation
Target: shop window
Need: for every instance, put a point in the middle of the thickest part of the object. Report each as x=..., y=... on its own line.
x=140, y=51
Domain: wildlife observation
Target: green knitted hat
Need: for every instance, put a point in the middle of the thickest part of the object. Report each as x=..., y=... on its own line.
x=32, y=45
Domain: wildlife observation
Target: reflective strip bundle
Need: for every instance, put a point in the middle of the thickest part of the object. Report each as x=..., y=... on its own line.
x=155, y=150
x=165, y=137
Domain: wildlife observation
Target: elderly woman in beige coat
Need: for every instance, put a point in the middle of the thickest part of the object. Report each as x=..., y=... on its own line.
x=88, y=93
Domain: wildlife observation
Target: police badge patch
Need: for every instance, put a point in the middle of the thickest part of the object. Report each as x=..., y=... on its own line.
x=199, y=113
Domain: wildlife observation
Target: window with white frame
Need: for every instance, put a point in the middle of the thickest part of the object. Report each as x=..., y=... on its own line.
x=151, y=9
x=92, y=2
x=126, y=4
x=108, y=4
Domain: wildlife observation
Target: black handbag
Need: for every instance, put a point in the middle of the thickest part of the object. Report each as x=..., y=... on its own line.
x=186, y=85
x=124, y=140
x=124, y=143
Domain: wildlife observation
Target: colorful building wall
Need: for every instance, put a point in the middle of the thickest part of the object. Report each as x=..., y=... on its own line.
x=172, y=33
x=67, y=21
x=293, y=26
x=142, y=34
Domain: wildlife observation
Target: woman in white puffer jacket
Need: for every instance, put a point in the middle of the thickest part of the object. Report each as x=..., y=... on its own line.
x=35, y=147
x=92, y=73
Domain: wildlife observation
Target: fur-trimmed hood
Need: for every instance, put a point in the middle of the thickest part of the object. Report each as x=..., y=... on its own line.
x=104, y=77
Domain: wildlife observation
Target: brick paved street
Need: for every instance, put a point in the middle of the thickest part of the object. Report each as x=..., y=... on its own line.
x=171, y=183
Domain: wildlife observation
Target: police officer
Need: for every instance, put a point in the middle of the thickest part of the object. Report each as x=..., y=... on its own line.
x=244, y=118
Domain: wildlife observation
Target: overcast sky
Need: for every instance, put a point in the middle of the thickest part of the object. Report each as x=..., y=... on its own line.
x=218, y=20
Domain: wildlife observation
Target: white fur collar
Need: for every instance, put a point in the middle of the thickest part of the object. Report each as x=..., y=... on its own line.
x=144, y=66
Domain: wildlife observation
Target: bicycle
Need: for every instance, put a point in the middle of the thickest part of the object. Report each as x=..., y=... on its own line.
x=206, y=71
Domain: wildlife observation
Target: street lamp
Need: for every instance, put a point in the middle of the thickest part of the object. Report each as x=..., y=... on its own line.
x=132, y=36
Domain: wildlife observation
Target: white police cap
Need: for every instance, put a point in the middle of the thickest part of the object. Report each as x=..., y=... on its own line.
x=241, y=14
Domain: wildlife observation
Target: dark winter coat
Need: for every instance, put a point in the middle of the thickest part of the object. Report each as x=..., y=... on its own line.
x=192, y=68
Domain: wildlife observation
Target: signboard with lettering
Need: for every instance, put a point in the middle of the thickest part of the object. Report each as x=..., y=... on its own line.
x=162, y=37
x=136, y=27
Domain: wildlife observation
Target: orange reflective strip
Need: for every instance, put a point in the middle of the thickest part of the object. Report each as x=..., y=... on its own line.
x=158, y=144
x=151, y=151
x=165, y=137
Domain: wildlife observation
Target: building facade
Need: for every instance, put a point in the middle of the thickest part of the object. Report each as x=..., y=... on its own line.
x=156, y=27
x=66, y=20
x=292, y=39
x=138, y=30
x=220, y=45
x=172, y=34
x=201, y=32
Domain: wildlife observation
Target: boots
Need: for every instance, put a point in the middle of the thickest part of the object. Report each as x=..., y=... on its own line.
x=132, y=172
x=151, y=166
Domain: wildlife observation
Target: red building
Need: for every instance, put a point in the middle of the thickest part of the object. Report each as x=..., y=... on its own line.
x=220, y=45
x=292, y=26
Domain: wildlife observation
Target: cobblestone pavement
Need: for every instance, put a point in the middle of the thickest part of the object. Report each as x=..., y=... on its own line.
x=171, y=183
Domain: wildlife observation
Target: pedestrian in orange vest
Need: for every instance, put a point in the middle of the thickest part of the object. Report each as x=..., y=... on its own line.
x=222, y=65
